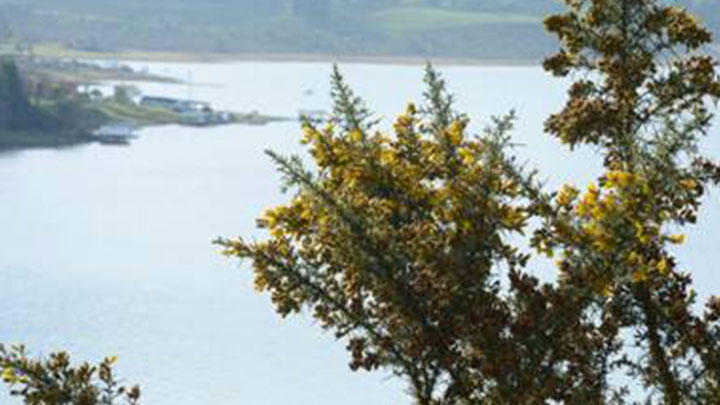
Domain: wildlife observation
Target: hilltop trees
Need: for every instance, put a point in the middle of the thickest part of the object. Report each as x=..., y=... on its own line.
x=405, y=245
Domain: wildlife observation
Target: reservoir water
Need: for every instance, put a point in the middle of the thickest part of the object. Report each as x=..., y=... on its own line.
x=107, y=250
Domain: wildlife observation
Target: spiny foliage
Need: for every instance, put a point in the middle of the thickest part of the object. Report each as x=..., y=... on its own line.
x=56, y=382
x=645, y=84
x=399, y=243
x=393, y=243
x=645, y=100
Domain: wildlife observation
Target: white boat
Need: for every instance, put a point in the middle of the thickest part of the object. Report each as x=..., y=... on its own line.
x=115, y=134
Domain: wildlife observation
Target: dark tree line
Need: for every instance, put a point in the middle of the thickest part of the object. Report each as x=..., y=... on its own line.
x=16, y=112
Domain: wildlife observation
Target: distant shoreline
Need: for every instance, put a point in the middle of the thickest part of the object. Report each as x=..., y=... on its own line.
x=170, y=56
x=378, y=60
x=60, y=51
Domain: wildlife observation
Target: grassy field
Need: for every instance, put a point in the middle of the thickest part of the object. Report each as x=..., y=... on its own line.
x=78, y=120
x=216, y=29
x=114, y=111
x=60, y=50
x=418, y=19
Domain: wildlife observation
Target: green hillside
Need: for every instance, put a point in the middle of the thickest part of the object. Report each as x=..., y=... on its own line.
x=489, y=29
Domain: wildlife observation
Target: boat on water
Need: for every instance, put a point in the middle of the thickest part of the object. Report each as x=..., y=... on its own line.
x=115, y=134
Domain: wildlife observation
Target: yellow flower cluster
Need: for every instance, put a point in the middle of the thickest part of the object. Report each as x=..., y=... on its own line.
x=456, y=133
x=615, y=218
x=567, y=195
x=8, y=375
x=619, y=179
x=430, y=194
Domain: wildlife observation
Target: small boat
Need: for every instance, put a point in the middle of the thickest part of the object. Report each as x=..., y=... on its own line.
x=115, y=134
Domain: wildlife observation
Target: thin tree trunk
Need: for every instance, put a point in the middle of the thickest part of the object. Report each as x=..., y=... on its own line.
x=658, y=356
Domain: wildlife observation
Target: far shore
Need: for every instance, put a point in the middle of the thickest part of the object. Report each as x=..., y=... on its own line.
x=171, y=56
x=60, y=51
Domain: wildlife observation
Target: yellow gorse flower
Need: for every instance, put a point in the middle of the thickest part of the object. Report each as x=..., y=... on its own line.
x=466, y=155
x=8, y=375
x=567, y=195
x=688, y=184
x=619, y=178
x=456, y=132
x=640, y=276
x=677, y=239
x=608, y=291
x=356, y=135
x=633, y=259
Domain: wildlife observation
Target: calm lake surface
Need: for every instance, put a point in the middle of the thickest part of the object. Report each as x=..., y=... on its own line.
x=107, y=250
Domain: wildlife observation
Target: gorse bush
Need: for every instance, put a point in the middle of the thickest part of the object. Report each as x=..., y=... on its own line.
x=399, y=243
x=56, y=381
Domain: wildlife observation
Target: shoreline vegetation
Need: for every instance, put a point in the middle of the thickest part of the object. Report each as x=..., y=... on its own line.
x=87, y=75
x=48, y=102
x=89, y=115
x=15, y=140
